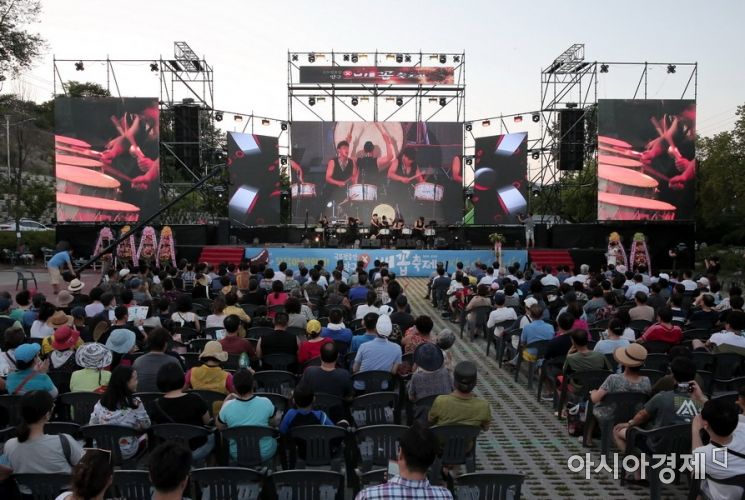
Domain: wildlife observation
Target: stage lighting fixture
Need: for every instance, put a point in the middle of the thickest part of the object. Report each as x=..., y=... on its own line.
x=517, y=119
x=469, y=127
x=671, y=68
x=153, y=67
x=443, y=101
x=218, y=116
x=238, y=118
x=485, y=123
x=399, y=101
x=329, y=204
x=283, y=126
x=311, y=101
x=355, y=101
x=399, y=58
x=469, y=160
x=294, y=57
x=311, y=58
x=571, y=105
x=346, y=57
x=407, y=58
x=79, y=66
x=535, y=155
x=390, y=57
x=536, y=117
x=443, y=58
x=265, y=122
x=603, y=68
x=355, y=58
x=456, y=59
x=283, y=160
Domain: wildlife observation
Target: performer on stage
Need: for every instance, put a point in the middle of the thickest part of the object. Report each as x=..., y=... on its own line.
x=353, y=226
x=418, y=230
x=323, y=221
x=375, y=224
x=398, y=225
x=371, y=169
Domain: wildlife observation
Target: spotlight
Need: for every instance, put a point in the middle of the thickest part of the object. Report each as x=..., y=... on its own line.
x=407, y=58
x=294, y=57
x=469, y=161
x=536, y=192
x=153, y=67
x=456, y=59
x=283, y=160
x=535, y=155
x=536, y=117
x=218, y=116
x=571, y=105
x=238, y=118
x=283, y=126
x=443, y=58
x=517, y=119
x=671, y=68
x=312, y=101
x=265, y=122
x=80, y=67
x=443, y=101
x=603, y=68
x=469, y=127
x=346, y=57
x=355, y=58
x=485, y=123
x=399, y=101
x=399, y=58
x=355, y=101
x=311, y=58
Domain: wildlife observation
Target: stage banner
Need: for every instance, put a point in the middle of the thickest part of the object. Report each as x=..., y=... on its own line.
x=500, y=184
x=253, y=165
x=397, y=169
x=387, y=75
x=646, y=159
x=411, y=263
x=107, y=161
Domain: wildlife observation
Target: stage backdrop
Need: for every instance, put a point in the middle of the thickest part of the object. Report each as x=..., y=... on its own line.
x=395, y=168
x=402, y=262
x=107, y=158
x=646, y=159
x=499, y=184
x=253, y=164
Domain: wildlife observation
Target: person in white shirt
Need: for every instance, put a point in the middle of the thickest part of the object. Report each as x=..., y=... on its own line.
x=500, y=314
x=688, y=283
x=455, y=284
x=724, y=456
x=638, y=286
x=549, y=279
x=732, y=334
x=488, y=278
x=369, y=307
x=584, y=269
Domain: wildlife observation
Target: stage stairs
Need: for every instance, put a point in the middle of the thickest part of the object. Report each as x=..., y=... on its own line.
x=550, y=257
x=216, y=255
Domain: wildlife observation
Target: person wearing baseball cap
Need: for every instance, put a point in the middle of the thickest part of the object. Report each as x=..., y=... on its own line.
x=311, y=348
x=377, y=354
x=461, y=406
x=28, y=376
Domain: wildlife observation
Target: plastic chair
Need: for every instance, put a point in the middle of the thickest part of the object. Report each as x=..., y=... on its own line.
x=491, y=339
x=278, y=361
x=227, y=483
x=701, y=334
x=505, y=342
x=257, y=331
x=727, y=365
x=44, y=486
x=458, y=445
x=653, y=375
x=325, y=402
x=80, y=405
x=626, y=404
x=376, y=445
x=703, y=360
x=730, y=396
x=177, y=432
x=131, y=484
x=107, y=437
x=586, y=380
x=639, y=325
x=481, y=317
x=61, y=380
x=323, y=446
x=375, y=380
x=24, y=276
x=210, y=397
x=276, y=381
x=197, y=345
x=280, y=402
x=9, y=403
x=419, y=410
x=148, y=399
x=488, y=486
x=56, y=428
x=540, y=346
x=191, y=360
x=657, y=361
x=247, y=440
x=375, y=408
x=308, y=484
x=727, y=385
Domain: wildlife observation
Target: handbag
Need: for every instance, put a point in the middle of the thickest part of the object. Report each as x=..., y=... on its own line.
x=576, y=417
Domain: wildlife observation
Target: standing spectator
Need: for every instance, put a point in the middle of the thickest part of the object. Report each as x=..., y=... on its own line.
x=461, y=406
x=170, y=465
x=378, y=354
x=233, y=343
x=118, y=406
x=93, y=358
x=148, y=365
x=31, y=373
x=311, y=348
x=56, y=263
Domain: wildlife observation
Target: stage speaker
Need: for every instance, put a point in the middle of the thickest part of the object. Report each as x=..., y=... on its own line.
x=441, y=244
x=223, y=232
x=571, y=139
x=186, y=134
x=332, y=243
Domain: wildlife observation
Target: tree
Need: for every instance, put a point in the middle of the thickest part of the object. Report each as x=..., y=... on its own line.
x=18, y=47
x=38, y=197
x=85, y=89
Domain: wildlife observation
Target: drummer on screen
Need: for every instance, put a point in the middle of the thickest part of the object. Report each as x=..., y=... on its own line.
x=404, y=172
x=341, y=170
x=373, y=169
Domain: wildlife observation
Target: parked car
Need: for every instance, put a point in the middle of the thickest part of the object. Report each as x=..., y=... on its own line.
x=24, y=225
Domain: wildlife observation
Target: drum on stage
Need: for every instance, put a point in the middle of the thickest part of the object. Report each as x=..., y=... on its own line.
x=429, y=231
x=319, y=230
x=364, y=231
x=619, y=180
x=622, y=207
x=406, y=231
x=610, y=141
x=79, y=208
x=385, y=209
x=341, y=230
x=428, y=191
x=619, y=161
x=78, y=161
x=77, y=180
x=362, y=192
x=384, y=231
x=303, y=190
x=70, y=142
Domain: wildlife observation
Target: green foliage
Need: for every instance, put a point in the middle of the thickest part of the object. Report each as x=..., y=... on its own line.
x=18, y=47
x=34, y=239
x=86, y=89
x=38, y=197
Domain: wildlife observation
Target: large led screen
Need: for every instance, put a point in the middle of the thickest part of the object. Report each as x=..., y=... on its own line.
x=107, y=161
x=646, y=159
x=253, y=164
x=499, y=183
x=355, y=169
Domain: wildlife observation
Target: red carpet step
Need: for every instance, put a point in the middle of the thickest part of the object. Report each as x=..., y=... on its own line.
x=216, y=255
x=551, y=258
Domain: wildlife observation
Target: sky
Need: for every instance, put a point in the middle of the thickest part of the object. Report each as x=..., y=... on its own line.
x=506, y=45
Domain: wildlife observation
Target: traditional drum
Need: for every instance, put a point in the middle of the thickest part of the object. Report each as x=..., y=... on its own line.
x=303, y=190
x=79, y=208
x=619, y=180
x=385, y=209
x=70, y=141
x=428, y=191
x=77, y=180
x=319, y=230
x=614, y=151
x=619, y=161
x=364, y=231
x=362, y=192
x=384, y=231
x=406, y=231
x=430, y=231
x=341, y=230
x=78, y=161
x=71, y=151
x=610, y=141
x=622, y=207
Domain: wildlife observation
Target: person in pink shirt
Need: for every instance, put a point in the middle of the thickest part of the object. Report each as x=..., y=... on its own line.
x=663, y=330
x=277, y=297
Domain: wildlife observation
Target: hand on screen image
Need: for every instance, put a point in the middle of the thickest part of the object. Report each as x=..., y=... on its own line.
x=142, y=182
x=688, y=172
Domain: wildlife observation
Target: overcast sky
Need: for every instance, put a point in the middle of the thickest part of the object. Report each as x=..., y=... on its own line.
x=506, y=45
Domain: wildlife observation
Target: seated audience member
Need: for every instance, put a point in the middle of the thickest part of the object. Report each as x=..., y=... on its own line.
x=210, y=376
x=580, y=358
x=418, y=334
x=13, y=337
x=536, y=330
x=481, y=299
x=731, y=339
x=93, y=358
x=233, y=343
x=336, y=330
x=23, y=301
x=594, y=304
x=245, y=408
x=121, y=343
x=91, y=476
x=369, y=322
x=311, y=348
x=278, y=341
x=500, y=314
x=329, y=379
x=6, y=320
x=121, y=322
x=676, y=406
x=417, y=451
x=41, y=326
x=215, y=320
x=401, y=316
x=148, y=365
x=294, y=310
x=379, y=353
x=276, y=298
x=63, y=343
x=719, y=419
x=118, y=406
x=614, y=340
x=184, y=316
x=663, y=330
x=461, y=406
x=179, y=407
x=369, y=306
x=32, y=451
x=637, y=285
x=31, y=372
x=430, y=378
x=705, y=315
x=232, y=307
x=32, y=314
x=255, y=294
x=303, y=413
x=641, y=311
x=556, y=352
x=170, y=466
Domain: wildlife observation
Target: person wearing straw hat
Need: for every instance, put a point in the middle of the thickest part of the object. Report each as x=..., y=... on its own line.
x=632, y=358
x=75, y=288
x=93, y=358
x=64, y=299
x=210, y=376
